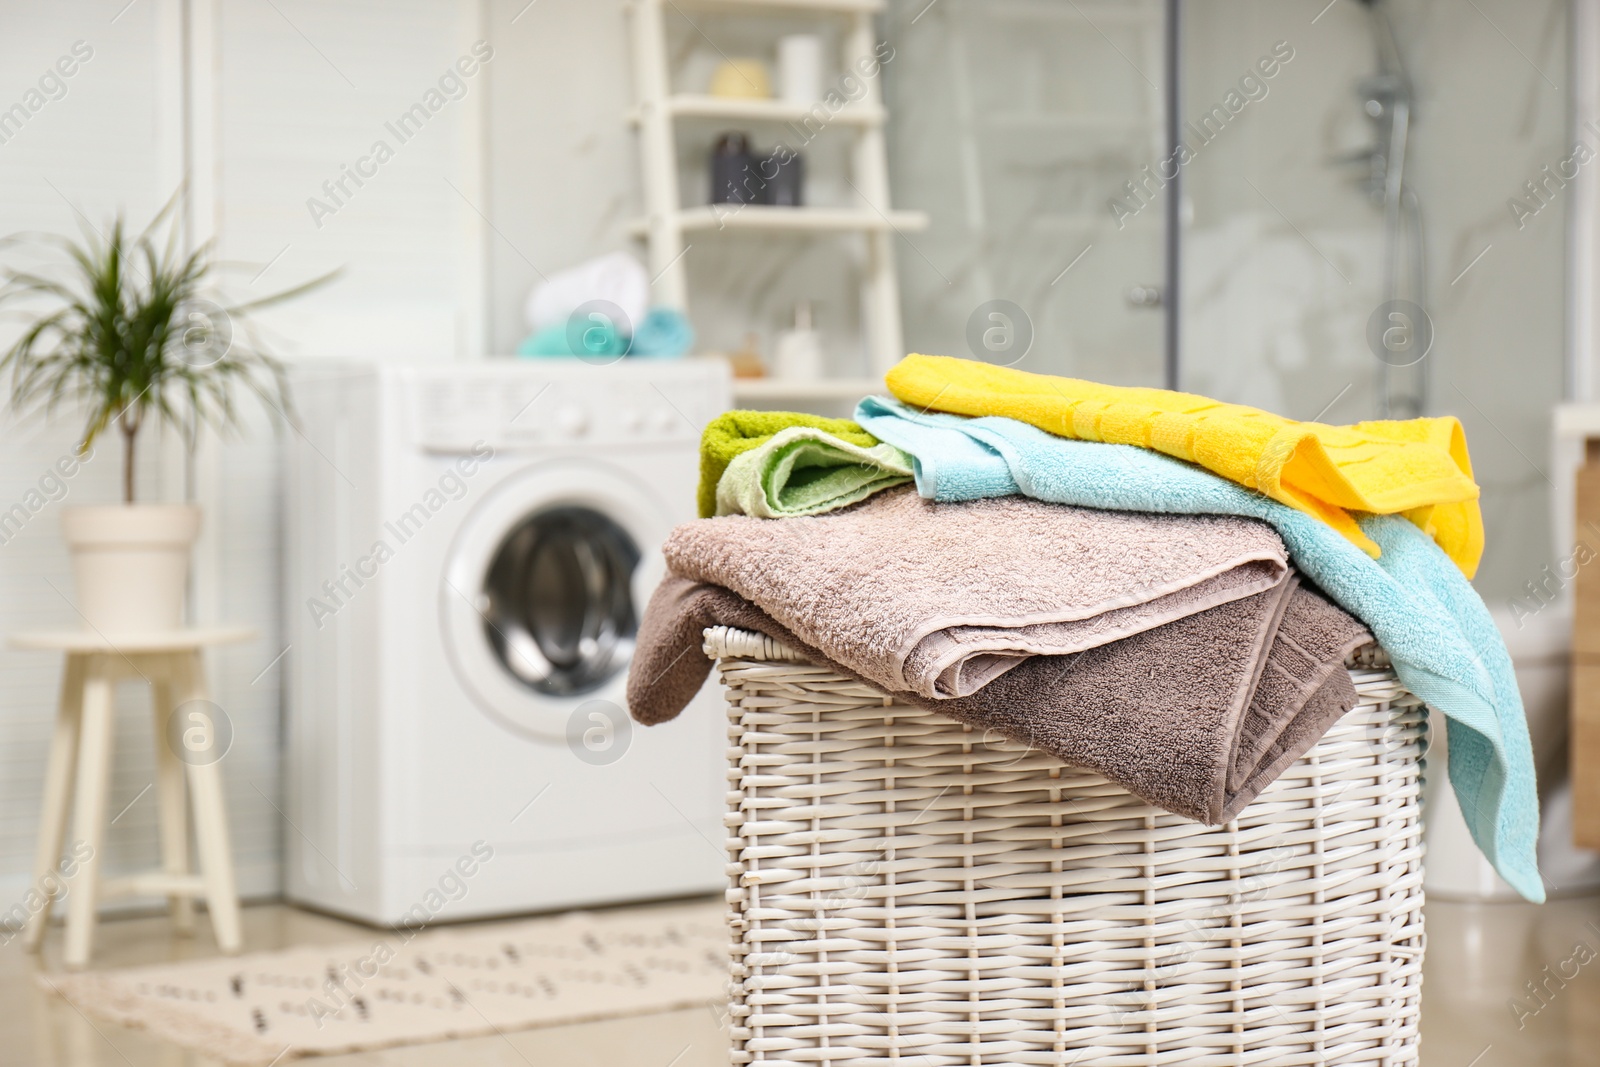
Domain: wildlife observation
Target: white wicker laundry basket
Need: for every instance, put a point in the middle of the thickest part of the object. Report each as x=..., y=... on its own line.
x=906, y=890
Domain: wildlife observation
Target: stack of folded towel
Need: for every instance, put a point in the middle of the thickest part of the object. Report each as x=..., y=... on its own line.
x=1153, y=585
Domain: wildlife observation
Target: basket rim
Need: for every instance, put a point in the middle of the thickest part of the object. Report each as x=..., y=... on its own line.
x=731, y=642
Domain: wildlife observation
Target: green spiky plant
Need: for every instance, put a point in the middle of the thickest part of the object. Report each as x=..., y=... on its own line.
x=127, y=332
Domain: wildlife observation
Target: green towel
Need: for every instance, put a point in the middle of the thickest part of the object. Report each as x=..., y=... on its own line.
x=733, y=432
x=806, y=471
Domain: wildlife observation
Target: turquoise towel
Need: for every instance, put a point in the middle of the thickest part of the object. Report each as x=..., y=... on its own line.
x=599, y=338
x=1433, y=624
x=665, y=332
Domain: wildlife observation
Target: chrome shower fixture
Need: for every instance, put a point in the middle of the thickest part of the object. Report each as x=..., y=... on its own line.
x=1388, y=99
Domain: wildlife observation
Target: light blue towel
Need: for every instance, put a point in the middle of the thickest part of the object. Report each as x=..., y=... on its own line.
x=598, y=338
x=1433, y=624
x=665, y=332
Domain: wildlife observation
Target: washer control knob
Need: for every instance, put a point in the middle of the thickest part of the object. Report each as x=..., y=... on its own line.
x=629, y=419
x=664, y=420
x=572, y=421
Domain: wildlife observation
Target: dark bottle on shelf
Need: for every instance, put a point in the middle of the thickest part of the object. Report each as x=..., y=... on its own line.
x=784, y=171
x=735, y=178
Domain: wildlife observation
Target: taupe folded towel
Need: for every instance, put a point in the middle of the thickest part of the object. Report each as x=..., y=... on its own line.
x=942, y=599
x=1196, y=716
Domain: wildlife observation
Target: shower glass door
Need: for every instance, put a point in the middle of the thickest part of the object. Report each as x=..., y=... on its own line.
x=1027, y=129
x=1309, y=288
x=1371, y=217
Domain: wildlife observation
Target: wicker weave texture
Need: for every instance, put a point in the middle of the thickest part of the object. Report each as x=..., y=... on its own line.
x=907, y=890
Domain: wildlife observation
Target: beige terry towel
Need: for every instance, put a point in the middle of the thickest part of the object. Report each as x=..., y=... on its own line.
x=1197, y=716
x=940, y=600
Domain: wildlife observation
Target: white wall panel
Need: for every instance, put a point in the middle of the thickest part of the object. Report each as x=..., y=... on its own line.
x=103, y=144
x=305, y=92
x=279, y=97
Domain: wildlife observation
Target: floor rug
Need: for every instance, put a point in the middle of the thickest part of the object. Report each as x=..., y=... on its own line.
x=270, y=1007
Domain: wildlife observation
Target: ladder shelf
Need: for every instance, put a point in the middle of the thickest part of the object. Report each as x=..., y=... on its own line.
x=668, y=219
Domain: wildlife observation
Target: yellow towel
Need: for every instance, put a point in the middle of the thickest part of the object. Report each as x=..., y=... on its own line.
x=1417, y=468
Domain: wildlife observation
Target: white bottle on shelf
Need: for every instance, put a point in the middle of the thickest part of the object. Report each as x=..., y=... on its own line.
x=800, y=69
x=798, y=355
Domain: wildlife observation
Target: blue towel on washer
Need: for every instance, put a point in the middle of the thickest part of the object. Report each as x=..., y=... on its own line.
x=665, y=332
x=1432, y=623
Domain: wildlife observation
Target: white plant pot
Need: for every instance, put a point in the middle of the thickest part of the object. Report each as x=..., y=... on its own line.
x=130, y=564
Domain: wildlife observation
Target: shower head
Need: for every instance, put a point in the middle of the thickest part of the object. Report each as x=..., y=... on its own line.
x=1389, y=61
x=1386, y=98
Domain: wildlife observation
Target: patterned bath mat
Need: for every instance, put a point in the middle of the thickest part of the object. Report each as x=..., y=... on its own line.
x=270, y=1007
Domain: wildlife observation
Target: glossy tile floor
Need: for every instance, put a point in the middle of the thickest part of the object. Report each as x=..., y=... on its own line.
x=1477, y=1008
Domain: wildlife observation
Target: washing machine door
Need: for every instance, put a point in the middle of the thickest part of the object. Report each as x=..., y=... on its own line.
x=543, y=589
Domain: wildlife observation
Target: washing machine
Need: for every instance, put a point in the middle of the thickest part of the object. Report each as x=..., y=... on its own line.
x=468, y=552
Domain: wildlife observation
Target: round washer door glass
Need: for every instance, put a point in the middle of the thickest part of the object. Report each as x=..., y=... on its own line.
x=558, y=601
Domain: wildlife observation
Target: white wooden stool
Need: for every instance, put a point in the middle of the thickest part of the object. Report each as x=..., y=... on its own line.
x=80, y=762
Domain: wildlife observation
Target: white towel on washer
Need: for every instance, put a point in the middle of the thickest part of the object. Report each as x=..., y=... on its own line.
x=617, y=278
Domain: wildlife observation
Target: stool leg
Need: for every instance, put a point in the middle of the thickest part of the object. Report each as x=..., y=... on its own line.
x=89, y=810
x=57, y=793
x=210, y=819
x=169, y=793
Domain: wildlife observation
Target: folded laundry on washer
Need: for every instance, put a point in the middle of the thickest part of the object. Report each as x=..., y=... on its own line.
x=941, y=599
x=1417, y=467
x=615, y=284
x=805, y=471
x=735, y=432
x=664, y=333
x=1196, y=716
x=600, y=338
x=1435, y=628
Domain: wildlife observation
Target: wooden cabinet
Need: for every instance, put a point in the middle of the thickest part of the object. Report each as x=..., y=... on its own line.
x=1586, y=650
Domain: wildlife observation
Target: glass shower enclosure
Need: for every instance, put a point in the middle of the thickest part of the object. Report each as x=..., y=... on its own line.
x=1336, y=211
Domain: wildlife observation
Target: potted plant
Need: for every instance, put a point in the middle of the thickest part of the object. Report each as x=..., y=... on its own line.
x=126, y=332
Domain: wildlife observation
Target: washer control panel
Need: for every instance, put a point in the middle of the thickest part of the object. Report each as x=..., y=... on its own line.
x=451, y=409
